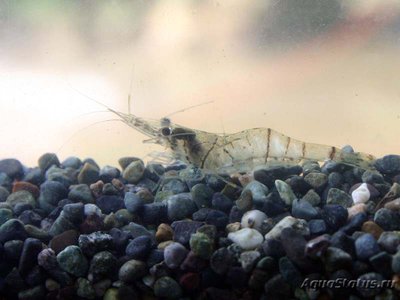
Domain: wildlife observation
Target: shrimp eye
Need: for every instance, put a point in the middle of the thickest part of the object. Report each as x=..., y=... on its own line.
x=166, y=131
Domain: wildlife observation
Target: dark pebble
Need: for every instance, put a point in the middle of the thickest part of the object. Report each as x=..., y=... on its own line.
x=47, y=160
x=335, y=216
x=31, y=249
x=133, y=202
x=389, y=241
x=221, y=260
x=389, y=164
x=11, y=230
x=109, y=204
x=108, y=173
x=221, y=202
x=317, y=227
x=72, y=162
x=202, y=195
x=302, y=209
x=67, y=238
x=95, y=242
x=154, y=213
x=80, y=193
x=12, y=168
x=212, y=217
x=139, y=247
x=382, y=263
x=355, y=223
x=366, y=246
x=289, y=272
x=340, y=240
x=387, y=219
x=13, y=249
x=366, y=291
x=51, y=192
x=30, y=217
x=335, y=259
x=184, y=229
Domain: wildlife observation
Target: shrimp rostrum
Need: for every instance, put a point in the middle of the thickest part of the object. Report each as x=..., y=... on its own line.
x=237, y=152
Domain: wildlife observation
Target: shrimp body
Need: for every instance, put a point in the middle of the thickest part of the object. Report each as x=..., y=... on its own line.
x=245, y=150
x=237, y=152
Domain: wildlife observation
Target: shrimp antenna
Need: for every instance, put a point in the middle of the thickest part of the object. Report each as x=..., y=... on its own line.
x=189, y=107
x=130, y=89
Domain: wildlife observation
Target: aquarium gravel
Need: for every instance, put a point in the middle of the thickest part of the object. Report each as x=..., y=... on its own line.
x=73, y=230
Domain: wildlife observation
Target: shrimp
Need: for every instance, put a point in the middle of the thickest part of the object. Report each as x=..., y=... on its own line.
x=238, y=152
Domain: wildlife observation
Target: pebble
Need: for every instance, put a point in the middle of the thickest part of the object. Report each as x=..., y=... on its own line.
x=26, y=186
x=134, y=171
x=85, y=289
x=132, y=270
x=164, y=233
x=102, y=265
x=356, y=209
x=133, y=202
x=302, y=209
x=387, y=219
x=389, y=164
x=312, y=197
x=285, y=192
x=253, y=219
x=335, y=216
x=174, y=254
x=221, y=202
x=180, y=206
x=202, y=195
x=201, y=245
x=389, y=241
x=110, y=203
x=258, y=192
x=317, y=227
x=167, y=287
x=249, y=259
x=372, y=228
x=4, y=193
x=356, y=223
x=393, y=205
x=72, y=260
x=21, y=197
x=88, y=174
x=67, y=238
x=316, y=180
x=289, y=272
x=366, y=246
x=5, y=215
x=80, y=193
x=12, y=229
x=361, y=194
x=288, y=222
x=221, y=260
x=139, y=247
x=339, y=197
x=371, y=277
x=12, y=168
x=95, y=242
x=51, y=192
x=246, y=238
x=336, y=259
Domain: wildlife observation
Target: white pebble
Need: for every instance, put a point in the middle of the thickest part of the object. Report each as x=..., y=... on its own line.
x=361, y=194
x=246, y=238
x=253, y=219
x=91, y=209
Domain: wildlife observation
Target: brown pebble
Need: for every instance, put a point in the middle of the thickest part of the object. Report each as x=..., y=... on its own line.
x=117, y=184
x=26, y=186
x=63, y=240
x=91, y=224
x=393, y=205
x=372, y=228
x=97, y=188
x=164, y=233
x=145, y=195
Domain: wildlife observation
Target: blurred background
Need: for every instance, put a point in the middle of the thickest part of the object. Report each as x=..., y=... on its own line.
x=323, y=71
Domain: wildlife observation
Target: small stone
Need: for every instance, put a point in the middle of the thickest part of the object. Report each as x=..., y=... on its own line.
x=246, y=238
x=174, y=254
x=396, y=263
x=88, y=174
x=5, y=215
x=317, y=227
x=32, y=247
x=26, y=186
x=60, y=225
x=74, y=212
x=201, y=245
x=366, y=246
x=110, y=204
x=95, y=242
x=317, y=246
x=248, y=260
x=85, y=289
x=3, y=193
x=312, y=197
x=81, y=193
x=387, y=219
x=366, y=291
x=72, y=162
x=289, y=271
x=166, y=287
x=12, y=229
x=72, y=260
x=389, y=241
x=361, y=194
x=102, y=265
x=335, y=215
x=303, y=210
x=154, y=213
x=253, y=219
x=393, y=205
x=202, y=195
x=139, y=247
x=221, y=260
x=258, y=191
x=273, y=248
x=108, y=173
x=101, y=287
x=336, y=259
x=382, y=263
x=180, y=206
x=133, y=202
x=134, y=171
x=372, y=228
x=338, y=197
x=212, y=217
x=12, y=168
x=356, y=209
x=37, y=233
x=21, y=197
x=132, y=270
x=355, y=223
x=47, y=259
x=68, y=238
x=30, y=217
x=164, y=233
x=389, y=164
x=184, y=229
x=51, y=285
x=221, y=202
x=47, y=160
x=288, y=222
x=92, y=223
x=285, y=192
x=92, y=209
x=316, y=180
x=51, y=192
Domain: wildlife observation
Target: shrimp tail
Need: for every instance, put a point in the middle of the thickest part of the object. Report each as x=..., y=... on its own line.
x=356, y=159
